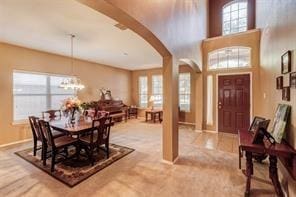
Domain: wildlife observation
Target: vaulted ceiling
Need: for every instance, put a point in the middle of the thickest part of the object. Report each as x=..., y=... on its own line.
x=44, y=25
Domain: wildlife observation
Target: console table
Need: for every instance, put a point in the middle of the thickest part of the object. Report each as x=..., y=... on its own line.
x=154, y=115
x=274, y=152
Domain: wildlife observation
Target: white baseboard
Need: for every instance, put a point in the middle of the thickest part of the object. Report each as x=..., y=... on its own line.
x=206, y=131
x=210, y=131
x=14, y=143
x=187, y=123
x=170, y=162
x=198, y=131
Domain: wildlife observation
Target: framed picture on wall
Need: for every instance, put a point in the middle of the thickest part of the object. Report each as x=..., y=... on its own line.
x=286, y=62
x=279, y=83
x=293, y=80
x=286, y=94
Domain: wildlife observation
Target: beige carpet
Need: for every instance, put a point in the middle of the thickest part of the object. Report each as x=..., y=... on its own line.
x=72, y=172
x=198, y=172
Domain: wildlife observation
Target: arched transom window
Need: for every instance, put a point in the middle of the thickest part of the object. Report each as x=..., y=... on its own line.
x=230, y=57
x=235, y=17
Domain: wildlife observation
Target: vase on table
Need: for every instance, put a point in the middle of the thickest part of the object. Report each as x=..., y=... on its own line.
x=74, y=115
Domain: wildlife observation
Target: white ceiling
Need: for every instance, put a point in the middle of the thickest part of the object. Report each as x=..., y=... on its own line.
x=45, y=24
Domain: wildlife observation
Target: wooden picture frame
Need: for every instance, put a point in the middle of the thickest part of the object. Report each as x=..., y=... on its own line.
x=286, y=62
x=293, y=80
x=286, y=94
x=255, y=123
x=260, y=132
x=280, y=122
x=279, y=82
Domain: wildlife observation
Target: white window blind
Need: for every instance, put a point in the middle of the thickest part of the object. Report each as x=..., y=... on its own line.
x=235, y=17
x=229, y=57
x=37, y=92
x=184, y=91
x=143, y=91
x=157, y=90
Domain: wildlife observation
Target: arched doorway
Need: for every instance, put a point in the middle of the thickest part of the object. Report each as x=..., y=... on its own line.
x=170, y=73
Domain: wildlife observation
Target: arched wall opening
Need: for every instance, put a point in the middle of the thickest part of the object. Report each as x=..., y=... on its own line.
x=170, y=73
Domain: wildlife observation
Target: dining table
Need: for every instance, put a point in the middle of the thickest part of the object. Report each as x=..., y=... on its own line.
x=77, y=128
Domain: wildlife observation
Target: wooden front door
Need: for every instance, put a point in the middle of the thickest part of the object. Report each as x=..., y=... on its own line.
x=233, y=103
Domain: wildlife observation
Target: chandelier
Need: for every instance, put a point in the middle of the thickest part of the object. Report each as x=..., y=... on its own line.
x=74, y=82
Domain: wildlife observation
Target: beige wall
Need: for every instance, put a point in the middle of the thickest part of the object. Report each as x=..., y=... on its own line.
x=175, y=29
x=188, y=117
x=179, y=25
x=278, y=36
x=94, y=76
x=248, y=39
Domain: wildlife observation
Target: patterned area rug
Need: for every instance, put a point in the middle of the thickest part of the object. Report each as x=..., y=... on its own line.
x=72, y=172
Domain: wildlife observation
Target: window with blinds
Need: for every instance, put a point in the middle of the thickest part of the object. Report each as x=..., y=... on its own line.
x=37, y=92
x=157, y=90
x=184, y=91
x=143, y=91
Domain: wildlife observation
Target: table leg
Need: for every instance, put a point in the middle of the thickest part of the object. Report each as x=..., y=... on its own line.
x=273, y=175
x=146, y=115
x=153, y=114
x=249, y=171
x=160, y=117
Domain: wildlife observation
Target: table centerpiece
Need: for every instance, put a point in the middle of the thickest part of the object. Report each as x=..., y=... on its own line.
x=71, y=108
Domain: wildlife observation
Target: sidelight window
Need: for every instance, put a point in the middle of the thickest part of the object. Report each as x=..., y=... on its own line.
x=157, y=90
x=210, y=89
x=184, y=91
x=143, y=91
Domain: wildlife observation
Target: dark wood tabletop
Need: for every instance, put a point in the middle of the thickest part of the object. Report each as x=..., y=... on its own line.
x=153, y=111
x=83, y=125
x=282, y=149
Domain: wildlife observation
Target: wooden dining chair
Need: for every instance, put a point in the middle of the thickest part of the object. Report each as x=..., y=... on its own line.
x=52, y=114
x=104, y=135
x=97, y=136
x=89, y=141
x=37, y=136
x=55, y=144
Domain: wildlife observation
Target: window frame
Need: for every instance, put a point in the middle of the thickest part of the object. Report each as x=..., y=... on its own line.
x=48, y=95
x=239, y=10
x=140, y=92
x=185, y=94
x=160, y=87
x=216, y=53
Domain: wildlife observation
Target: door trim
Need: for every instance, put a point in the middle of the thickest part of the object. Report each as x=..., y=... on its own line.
x=217, y=92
